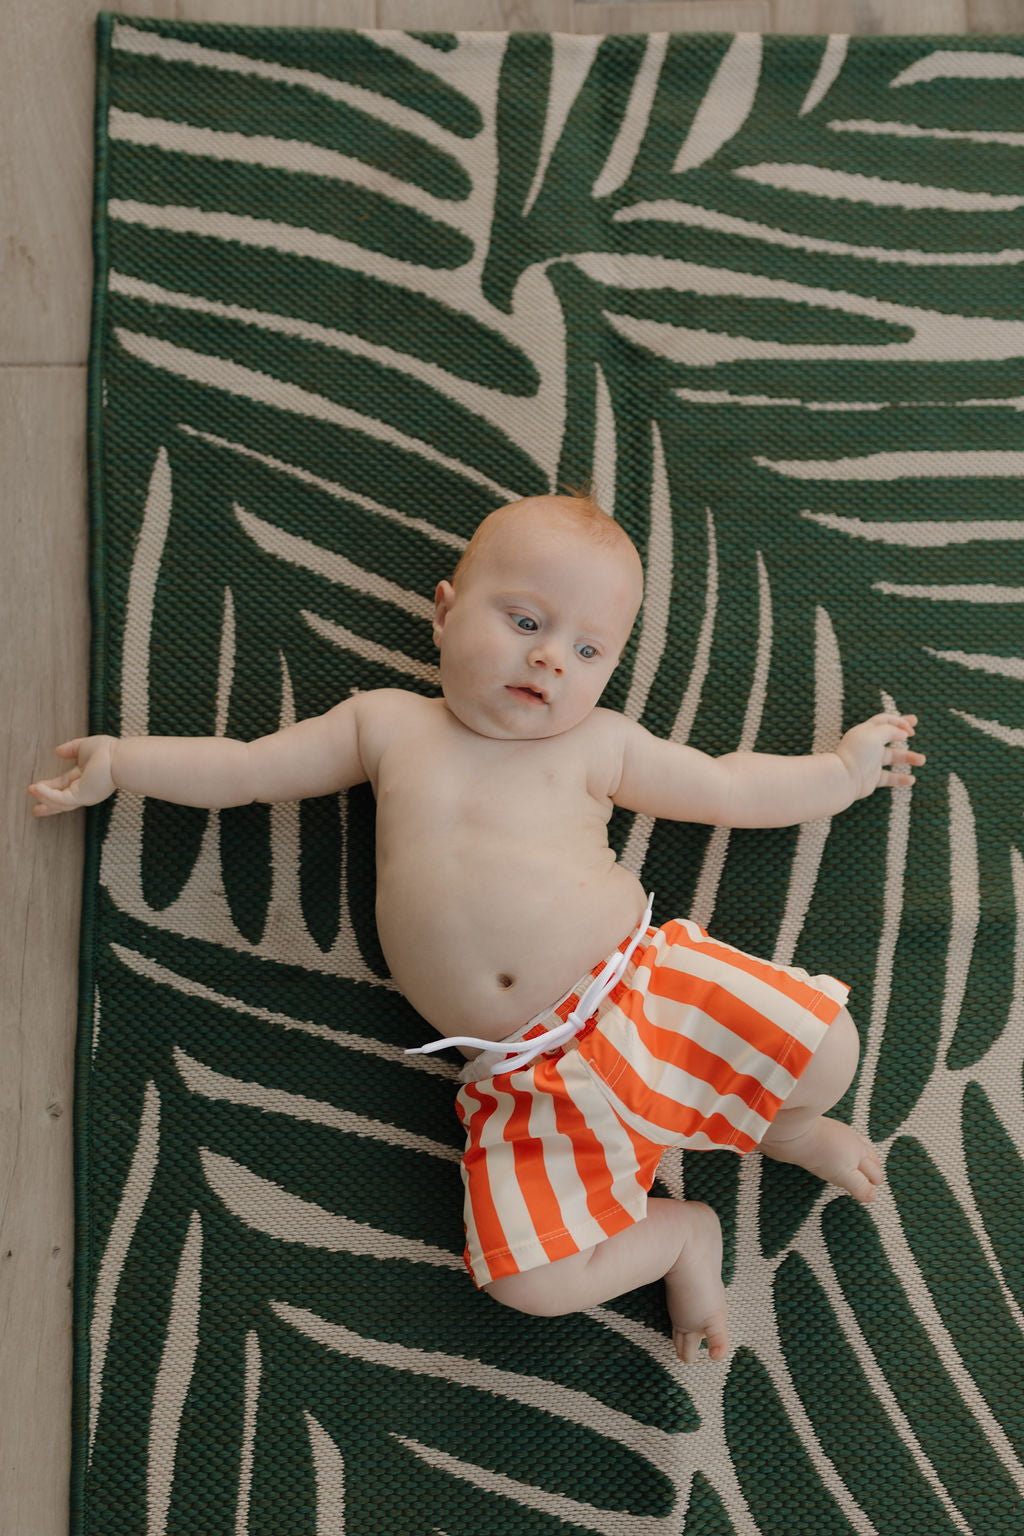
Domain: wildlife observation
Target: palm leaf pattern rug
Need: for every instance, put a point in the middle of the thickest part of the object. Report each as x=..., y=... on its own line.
x=353, y=291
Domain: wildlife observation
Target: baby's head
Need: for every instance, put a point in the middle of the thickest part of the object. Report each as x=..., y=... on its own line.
x=535, y=617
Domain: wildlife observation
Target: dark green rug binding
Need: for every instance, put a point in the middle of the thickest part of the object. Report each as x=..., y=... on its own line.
x=353, y=290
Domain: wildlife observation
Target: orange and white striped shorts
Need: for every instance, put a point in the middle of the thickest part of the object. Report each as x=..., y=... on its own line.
x=698, y=1045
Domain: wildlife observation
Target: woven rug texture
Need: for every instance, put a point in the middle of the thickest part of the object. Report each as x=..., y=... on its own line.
x=353, y=291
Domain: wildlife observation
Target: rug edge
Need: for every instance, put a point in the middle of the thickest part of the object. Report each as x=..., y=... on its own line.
x=97, y=700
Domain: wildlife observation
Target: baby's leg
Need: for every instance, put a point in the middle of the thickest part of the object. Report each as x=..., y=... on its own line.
x=678, y=1240
x=800, y=1133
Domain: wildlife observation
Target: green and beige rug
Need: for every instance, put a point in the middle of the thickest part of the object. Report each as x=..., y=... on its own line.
x=353, y=291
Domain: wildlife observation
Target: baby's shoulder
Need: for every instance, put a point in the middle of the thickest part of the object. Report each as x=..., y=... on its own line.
x=380, y=700
x=389, y=719
x=607, y=727
x=602, y=737
x=615, y=731
x=392, y=712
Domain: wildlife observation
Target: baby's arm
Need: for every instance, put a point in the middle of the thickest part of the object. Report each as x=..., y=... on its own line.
x=314, y=757
x=759, y=789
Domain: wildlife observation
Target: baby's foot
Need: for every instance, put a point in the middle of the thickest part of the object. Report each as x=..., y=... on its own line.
x=694, y=1289
x=833, y=1151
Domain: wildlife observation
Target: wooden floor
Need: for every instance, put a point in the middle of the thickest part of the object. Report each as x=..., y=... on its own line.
x=45, y=273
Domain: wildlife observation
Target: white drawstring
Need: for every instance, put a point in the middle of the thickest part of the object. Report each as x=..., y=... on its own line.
x=523, y=1052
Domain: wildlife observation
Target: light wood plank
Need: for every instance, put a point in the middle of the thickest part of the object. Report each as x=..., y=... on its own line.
x=892, y=17
x=280, y=13
x=46, y=112
x=675, y=16
x=998, y=16
x=476, y=15
x=43, y=597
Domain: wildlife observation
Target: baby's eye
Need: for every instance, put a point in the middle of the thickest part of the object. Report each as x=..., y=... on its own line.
x=588, y=652
x=524, y=622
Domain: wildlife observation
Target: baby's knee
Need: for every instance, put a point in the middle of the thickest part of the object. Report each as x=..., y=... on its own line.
x=830, y=1070
x=836, y=1059
x=844, y=1040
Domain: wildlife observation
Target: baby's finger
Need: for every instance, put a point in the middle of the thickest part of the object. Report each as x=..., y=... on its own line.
x=888, y=729
x=69, y=748
x=903, y=755
x=42, y=809
x=892, y=778
x=43, y=793
x=54, y=792
x=63, y=781
x=890, y=717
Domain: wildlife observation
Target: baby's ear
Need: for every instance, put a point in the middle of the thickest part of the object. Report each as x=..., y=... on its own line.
x=444, y=596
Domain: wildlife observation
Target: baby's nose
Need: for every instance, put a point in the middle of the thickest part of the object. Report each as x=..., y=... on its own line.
x=547, y=655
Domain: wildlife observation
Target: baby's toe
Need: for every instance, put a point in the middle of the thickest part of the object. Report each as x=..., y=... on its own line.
x=687, y=1345
x=716, y=1332
x=863, y=1181
x=687, y=1341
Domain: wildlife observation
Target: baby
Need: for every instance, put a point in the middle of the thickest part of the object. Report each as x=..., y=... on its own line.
x=594, y=1040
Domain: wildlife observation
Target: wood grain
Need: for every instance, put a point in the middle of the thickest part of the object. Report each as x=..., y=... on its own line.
x=477, y=15
x=43, y=593
x=46, y=120
x=675, y=16
x=280, y=13
x=998, y=16
x=879, y=17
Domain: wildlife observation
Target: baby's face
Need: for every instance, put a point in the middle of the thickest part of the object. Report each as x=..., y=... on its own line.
x=534, y=631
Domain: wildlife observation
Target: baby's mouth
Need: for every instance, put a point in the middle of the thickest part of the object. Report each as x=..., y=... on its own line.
x=529, y=695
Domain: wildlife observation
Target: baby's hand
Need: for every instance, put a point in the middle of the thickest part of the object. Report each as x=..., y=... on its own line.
x=876, y=753
x=87, y=783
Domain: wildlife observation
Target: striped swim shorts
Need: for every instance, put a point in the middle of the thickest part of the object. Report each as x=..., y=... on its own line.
x=698, y=1046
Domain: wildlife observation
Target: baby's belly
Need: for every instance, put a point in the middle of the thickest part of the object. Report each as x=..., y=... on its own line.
x=485, y=959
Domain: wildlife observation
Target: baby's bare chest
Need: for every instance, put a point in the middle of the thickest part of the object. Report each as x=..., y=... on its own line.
x=532, y=794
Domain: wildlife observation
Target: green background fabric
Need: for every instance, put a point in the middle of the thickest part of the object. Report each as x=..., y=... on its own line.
x=353, y=291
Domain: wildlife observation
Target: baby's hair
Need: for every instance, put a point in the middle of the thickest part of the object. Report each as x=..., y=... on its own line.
x=575, y=504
